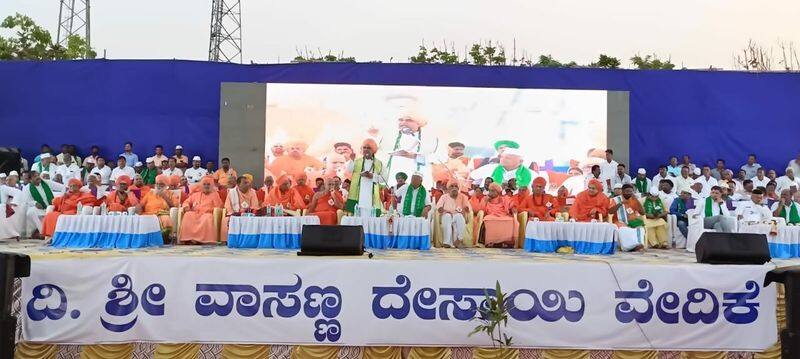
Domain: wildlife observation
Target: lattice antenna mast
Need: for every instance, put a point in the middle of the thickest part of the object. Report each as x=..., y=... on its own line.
x=74, y=19
x=225, y=44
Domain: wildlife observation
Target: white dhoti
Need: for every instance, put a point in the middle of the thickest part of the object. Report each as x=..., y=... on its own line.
x=630, y=238
x=10, y=227
x=33, y=220
x=453, y=225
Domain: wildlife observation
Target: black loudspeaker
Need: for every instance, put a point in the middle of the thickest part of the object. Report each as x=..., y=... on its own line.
x=732, y=248
x=332, y=241
x=9, y=159
x=12, y=265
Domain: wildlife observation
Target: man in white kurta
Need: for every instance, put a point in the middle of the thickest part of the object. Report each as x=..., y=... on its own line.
x=753, y=210
x=408, y=192
x=707, y=181
x=46, y=163
x=35, y=209
x=684, y=181
x=195, y=173
x=788, y=181
x=69, y=169
x=364, y=168
x=608, y=169
x=10, y=226
x=412, y=150
x=121, y=169
x=102, y=170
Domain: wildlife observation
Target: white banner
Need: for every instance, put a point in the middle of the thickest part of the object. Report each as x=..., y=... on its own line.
x=587, y=304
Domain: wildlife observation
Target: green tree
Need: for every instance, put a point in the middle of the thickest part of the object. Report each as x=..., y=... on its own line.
x=651, y=62
x=434, y=56
x=32, y=42
x=322, y=58
x=549, y=61
x=606, y=62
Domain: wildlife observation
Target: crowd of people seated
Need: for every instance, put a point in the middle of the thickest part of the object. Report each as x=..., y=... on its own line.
x=487, y=214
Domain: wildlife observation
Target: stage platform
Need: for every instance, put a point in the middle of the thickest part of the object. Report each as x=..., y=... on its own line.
x=38, y=251
x=217, y=300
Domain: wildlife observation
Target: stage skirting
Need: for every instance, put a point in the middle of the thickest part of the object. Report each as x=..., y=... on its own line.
x=220, y=296
x=80, y=231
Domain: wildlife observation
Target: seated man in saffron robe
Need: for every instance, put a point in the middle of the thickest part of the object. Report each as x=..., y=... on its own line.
x=302, y=188
x=121, y=199
x=198, y=219
x=500, y=219
x=627, y=214
x=66, y=204
x=287, y=197
x=590, y=204
x=326, y=203
x=540, y=204
x=158, y=202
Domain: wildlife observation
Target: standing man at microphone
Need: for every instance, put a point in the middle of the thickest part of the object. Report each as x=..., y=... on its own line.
x=368, y=174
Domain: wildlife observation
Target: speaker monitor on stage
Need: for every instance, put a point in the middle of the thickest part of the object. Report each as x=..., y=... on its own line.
x=332, y=241
x=9, y=159
x=732, y=248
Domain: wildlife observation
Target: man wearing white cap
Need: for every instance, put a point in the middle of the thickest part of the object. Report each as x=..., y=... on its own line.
x=414, y=199
x=656, y=214
x=616, y=190
x=121, y=169
x=706, y=180
x=138, y=167
x=13, y=180
x=44, y=164
x=181, y=161
x=696, y=173
x=195, y=173
x=696, y=189
x=642, y=184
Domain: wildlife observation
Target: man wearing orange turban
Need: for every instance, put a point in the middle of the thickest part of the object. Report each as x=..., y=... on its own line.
x=121, y=199
x=198, y=218
x=302, y=188
x=368, y=174
x=590, y=204
x=296, y=162
x=283, y=194
x=500, y=223
x=540, y=204
x=66, y=204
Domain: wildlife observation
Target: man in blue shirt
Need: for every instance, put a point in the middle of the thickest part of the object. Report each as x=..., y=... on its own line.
x=130, y=157
x=674, y=169
x=679, y=207
x=751, y=167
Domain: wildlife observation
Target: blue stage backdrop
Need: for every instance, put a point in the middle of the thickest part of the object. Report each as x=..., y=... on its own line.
x=708, y=115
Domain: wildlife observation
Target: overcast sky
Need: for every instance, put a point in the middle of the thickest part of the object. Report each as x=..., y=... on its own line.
x=695, y=33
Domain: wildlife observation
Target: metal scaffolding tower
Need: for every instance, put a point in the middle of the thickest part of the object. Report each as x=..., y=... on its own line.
x=225, y=44
x=73, y=19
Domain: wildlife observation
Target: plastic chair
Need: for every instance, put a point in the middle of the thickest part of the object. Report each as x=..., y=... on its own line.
x=219, y=216
x=437, y=231
x=522, y=218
